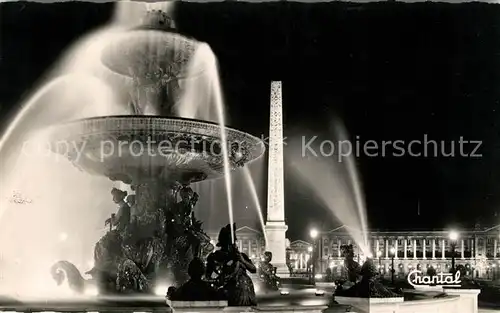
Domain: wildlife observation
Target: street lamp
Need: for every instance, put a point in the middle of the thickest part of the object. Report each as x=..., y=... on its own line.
x=314, y=234
x=393, y=254
x=379, y=256
x=453, y=243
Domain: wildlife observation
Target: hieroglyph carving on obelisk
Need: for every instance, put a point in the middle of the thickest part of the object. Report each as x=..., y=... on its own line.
x=275, y=224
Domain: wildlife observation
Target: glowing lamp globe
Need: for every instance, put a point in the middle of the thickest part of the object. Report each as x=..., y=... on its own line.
x=313, y=233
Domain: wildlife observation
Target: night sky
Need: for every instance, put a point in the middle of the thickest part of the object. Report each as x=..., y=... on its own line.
x=389, y=71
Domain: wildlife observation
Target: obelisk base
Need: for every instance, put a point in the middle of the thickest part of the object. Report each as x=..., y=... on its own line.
x=276, y=244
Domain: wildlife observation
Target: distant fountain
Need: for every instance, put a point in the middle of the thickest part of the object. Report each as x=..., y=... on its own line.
x=352, y=173
x=253, y=190
x=155, y=65
x=334, y=182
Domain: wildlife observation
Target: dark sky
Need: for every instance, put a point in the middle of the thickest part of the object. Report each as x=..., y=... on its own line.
x=390, y=71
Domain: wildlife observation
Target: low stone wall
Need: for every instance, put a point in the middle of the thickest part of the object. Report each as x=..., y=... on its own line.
x=468, y=299
x=397, y=305
x=202, y=307
x=457, y=301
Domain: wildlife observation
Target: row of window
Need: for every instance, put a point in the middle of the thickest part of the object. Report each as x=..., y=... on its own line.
x=409, y=242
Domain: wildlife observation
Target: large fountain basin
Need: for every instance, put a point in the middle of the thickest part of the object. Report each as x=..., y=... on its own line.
x=133, y=148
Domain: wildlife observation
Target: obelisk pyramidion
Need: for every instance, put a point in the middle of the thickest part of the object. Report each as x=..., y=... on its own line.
x=275, y=224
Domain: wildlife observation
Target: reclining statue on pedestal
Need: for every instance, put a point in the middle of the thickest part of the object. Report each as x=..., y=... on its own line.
x=369, y=286
x=267, y=273
x=351, y=270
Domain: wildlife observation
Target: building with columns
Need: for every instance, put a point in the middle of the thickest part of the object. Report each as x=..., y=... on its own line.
x=477, y=250
x=250, y=241
x=299, y=256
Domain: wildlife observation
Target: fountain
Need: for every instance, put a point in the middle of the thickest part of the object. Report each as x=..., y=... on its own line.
x=158, y=156
x=333, y=179
x=336, y=184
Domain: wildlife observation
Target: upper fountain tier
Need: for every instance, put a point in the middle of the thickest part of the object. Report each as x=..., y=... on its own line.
x=139, y=147
x=157, y=58
x=153, y=46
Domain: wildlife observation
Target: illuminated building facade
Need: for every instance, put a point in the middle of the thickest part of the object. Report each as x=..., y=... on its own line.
x=477, y=250
x=250, y=241
x=299, y=256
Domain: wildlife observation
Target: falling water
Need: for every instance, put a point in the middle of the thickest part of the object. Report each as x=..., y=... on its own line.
x=38, y=189
x=255, y=197
x=352, y=173
x=44, y=108
x=199, y=100
x=204, y=52
x=47, y=210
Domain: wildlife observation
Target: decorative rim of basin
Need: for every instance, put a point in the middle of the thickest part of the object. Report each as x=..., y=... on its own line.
x=183, y=147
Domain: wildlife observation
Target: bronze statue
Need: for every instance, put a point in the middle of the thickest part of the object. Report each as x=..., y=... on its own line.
x=362, y=281
x=185, y=237
x=352, y=267
x=228, y=269
x=122, y=218
x=267, y=273
x=184, y=208
x=123, y=262
x=135, y=210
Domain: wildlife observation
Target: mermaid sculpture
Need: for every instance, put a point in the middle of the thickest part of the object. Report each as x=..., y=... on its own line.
x=227, y=269
x=141, y=247
x=186, y=239
x=121, y=219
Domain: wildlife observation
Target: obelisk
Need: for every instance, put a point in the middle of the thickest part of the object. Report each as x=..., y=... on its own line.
x=275, y=224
